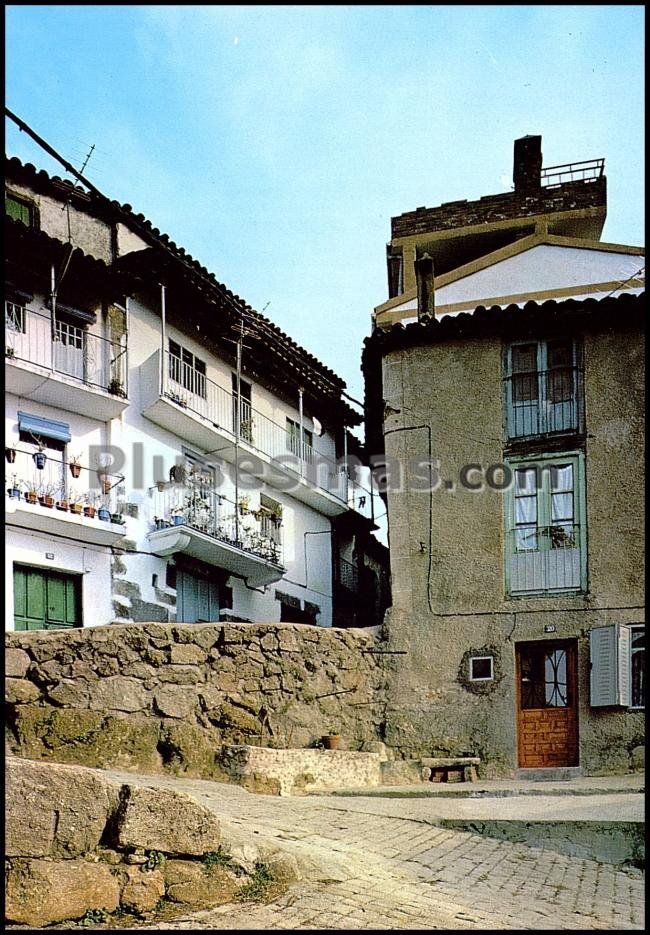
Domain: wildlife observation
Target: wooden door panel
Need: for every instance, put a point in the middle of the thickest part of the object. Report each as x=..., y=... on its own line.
x=547, y=720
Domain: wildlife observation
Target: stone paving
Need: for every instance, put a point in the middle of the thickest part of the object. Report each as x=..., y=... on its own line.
x=382, y=864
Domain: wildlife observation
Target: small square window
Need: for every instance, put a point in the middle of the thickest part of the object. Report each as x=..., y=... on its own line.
x=481, y=668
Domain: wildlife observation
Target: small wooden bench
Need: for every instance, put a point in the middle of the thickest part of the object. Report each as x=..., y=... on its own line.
x=443, y=768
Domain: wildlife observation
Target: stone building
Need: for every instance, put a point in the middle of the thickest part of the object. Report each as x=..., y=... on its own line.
x=505, y=393
x=171, y=454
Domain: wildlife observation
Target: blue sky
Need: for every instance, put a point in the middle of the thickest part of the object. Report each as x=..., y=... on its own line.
x=275, y=143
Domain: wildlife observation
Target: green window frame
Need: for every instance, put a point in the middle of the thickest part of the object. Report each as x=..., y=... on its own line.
x=543, y=388
x=19, y=209
x=545, y=526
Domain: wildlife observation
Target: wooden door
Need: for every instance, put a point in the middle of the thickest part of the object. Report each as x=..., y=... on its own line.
x=45, y=600
x=547, y=704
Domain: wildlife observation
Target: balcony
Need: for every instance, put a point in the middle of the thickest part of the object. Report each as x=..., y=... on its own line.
x=63, y=365
x=61, y=498
x=544, y=402
x=192, y=407
x=545, y=559
x=209, y=527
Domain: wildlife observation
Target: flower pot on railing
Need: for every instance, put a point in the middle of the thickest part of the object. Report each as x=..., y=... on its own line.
x=105, y=483
x=14, y=493
x=39, y=459
x=31, y=496
x=76, y=508
x=62, y=505
x=75, y=469
x=178, y=520
x=10, y=455
x=117, y=518
x=104, y=514
x=46, y=501
x=89, y=512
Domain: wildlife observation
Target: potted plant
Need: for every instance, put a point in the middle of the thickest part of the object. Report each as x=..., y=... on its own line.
x=9, y=351
x=116, y=387
x=75, y=467
x=76, y=504
x=31, y=494
x=331, y=740
x=117, y=518
x=40, y=458
x=178, y=517
x=10, y=455
x=105, y=483
x=63, y=505
x=45, y=497
x=14, y=490
x=104, y=514
x=89, y=509
x=244, y=505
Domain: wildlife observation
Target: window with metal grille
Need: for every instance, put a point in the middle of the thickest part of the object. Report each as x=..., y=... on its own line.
x=187, y=369
x=545, y=537
x=15, y=317
x=543, y=382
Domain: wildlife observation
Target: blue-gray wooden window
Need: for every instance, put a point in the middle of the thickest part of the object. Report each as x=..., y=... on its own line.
x=543, y=388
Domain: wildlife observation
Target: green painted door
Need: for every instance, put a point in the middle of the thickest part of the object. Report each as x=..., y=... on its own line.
x=45, y=600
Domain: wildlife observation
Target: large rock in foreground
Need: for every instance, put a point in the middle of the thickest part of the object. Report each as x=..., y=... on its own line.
x=40, y=892
x=166, y=821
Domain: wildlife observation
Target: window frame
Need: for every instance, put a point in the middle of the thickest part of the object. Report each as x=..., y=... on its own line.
x=27, y=203
x=540, y=374
x=188, y=360
x=635, y=627
x=543, y=461
x=482, y=678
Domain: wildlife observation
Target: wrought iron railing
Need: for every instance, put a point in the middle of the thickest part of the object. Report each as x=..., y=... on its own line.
x=586, y=171
x=545, y=558
x=90, y=359
x=254, y=531
x=193, y=391
x=41, y=477
x=348, y=576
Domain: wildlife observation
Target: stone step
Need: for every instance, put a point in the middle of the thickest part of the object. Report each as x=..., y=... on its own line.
x=550, y=774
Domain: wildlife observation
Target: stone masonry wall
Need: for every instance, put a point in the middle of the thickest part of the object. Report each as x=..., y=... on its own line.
x=158, y=697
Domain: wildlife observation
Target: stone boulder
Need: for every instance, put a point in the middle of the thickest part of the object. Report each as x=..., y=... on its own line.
x=53, y=810
x=142, y=889
x=40, y=892
x=166, y=821
x=193, y=883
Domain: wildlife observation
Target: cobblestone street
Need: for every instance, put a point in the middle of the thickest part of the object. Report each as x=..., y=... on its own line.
x=378, y=863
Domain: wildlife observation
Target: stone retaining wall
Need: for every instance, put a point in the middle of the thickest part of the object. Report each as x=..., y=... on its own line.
x=156, y=697
x=81, y=845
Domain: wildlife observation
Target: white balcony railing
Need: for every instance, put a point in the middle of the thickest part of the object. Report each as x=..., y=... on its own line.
x=66, y=349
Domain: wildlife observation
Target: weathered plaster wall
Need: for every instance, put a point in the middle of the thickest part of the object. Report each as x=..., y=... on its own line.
x=447, y=551
x=156, y=697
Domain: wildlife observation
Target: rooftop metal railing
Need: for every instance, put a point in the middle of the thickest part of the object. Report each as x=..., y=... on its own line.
x=586, y=171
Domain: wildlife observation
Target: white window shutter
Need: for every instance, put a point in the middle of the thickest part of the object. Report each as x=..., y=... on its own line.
x=610, y=666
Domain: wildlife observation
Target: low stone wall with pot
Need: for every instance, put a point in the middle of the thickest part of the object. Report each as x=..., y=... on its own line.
x=167, y=697
x=80, y=845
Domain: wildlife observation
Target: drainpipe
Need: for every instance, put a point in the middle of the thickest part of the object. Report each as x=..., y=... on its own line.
x=127, y=323
x=345, y=466
x=162, y=338
x=301, y=432
x=237, y=429
x=53, y=318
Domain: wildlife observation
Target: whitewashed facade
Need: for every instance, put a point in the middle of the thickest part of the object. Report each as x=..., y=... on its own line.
x=218, y=510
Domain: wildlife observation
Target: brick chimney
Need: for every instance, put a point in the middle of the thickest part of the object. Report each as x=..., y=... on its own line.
x=526, y=173
x=424, y=280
